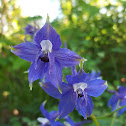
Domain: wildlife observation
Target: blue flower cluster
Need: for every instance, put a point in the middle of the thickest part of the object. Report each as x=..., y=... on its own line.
x=48, y=60
x=49, y=119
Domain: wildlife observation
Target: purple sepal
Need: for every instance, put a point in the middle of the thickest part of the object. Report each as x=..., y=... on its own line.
x=48, y=33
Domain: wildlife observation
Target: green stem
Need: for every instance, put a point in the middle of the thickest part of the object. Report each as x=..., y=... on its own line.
x=112, y=123
x=94, y=119
x=108, y=115
x=114, y=116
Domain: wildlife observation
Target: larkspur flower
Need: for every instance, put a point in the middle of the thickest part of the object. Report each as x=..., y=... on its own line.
x=77, y=94
x=46, y=56
x=30, y=30
x=53, y=91
x=49, y=119
x=70, y=122
x=118, y=100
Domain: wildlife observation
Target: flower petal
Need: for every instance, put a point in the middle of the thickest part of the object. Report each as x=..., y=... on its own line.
x=66, y=57
x=122, y=103
x=53, y=115
x=36, y=73
x=69, y=120
x=48, y=33
x=122, y=111
x=65, y=87
x=66, y=104
x=74, y=71
x=80, y=77
x=42, y=120
x=96, y=87
x=51, y=62
x=113, y=102
x=85, y=111
x=69, y=79
x=44, y=112
x=26, y=51
x=122, y=91
x=54, y=73
x=51, y=90
x=57, y=123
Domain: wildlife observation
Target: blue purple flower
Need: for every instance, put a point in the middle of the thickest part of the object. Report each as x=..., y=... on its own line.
x=118, y=100
x=49, y=119
x=77, y=94
x=30, y=30
x=46, y=56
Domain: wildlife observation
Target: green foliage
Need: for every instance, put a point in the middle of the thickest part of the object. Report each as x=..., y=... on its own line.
x=100, y=38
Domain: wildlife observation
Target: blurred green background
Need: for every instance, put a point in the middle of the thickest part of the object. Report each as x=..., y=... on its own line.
x=94, y=29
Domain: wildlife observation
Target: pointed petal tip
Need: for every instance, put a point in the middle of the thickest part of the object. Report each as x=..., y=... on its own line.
x=86, y=117
x=12, y=48
x=27, y=71
x=47, y=19
x=106, y=84
x=44, y=102
x=57, y=119
x=60, y=89
x=30, y=85
x=82, y=60
x=42, y=84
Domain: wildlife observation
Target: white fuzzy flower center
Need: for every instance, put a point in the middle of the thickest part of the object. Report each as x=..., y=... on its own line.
x=46, y=46
x=66, y=123
x=80, y=85
x=42, y=120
